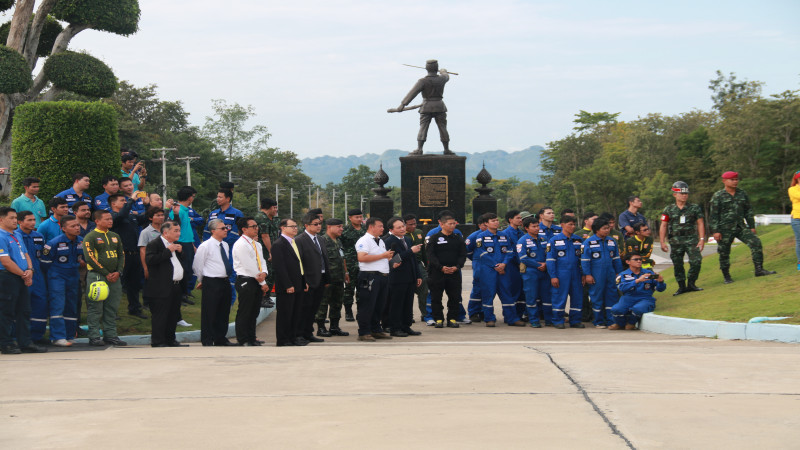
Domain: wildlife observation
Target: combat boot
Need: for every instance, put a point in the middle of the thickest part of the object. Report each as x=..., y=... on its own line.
x=727, y=275
x=418, y=151
x=681, y=288
x=447, y=150
x=321, y=330
x=691, y=287
x=348, y=313
x=761, y=272
x=335, y=330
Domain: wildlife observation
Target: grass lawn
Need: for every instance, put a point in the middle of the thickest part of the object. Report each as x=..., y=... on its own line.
x=748, y=296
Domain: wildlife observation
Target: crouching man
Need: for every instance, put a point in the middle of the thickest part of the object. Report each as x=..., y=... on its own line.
x=637, y=286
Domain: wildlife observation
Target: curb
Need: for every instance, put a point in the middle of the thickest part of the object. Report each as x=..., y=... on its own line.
x=185, y=336
x=721, y=330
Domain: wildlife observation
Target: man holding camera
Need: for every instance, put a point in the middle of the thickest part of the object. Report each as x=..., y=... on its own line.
x=637, y=286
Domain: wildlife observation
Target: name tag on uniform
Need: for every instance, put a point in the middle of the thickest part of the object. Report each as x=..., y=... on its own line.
x=560, y=243
x=683, y=219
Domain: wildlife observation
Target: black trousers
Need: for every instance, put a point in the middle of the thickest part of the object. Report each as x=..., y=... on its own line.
x=372, y=292
x=15, y=310
x=401, y=305
x=289, y=308
x=438, y=285
x=249, y=292
x=215, y=308
x=311, y=302
x=165, y=311
x=132, y=280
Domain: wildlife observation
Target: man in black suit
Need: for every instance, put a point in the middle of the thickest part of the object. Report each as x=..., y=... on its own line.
x=403, y=278
x=163, y=286
x=290, y=285
x=315, y=265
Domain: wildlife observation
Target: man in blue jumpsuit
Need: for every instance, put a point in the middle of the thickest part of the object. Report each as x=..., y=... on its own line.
x=514, y=233
x=637, y=286
x=462, y=313
x=64, y=255
x=493, y=253
x=563, y=266
x=474, y=308
x=34, y=242
x=547, y=227
x=601, y=264
x=110, y=187
x=532, y=253
x=80, y=184
x=229, y=216
x=50, y=227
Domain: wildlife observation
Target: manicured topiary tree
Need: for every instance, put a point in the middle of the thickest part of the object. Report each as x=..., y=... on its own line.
x=16, y=73
x=47, y=33
x=53, y=140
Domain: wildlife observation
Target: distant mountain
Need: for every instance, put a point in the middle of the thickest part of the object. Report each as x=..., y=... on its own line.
x=523, y=164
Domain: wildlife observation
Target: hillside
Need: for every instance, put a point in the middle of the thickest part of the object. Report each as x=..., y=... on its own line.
x=523, y=164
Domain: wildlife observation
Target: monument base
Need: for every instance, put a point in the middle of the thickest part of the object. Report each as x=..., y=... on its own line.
x=431, y=184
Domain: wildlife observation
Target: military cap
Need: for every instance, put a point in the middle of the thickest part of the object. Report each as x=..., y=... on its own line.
x=354, y=212
x=730, y=175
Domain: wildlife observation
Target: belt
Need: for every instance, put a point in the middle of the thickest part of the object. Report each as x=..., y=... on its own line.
x=244, y=277
x=374, y=272
x=683, y=233
x=215, y=278
x=176, y=282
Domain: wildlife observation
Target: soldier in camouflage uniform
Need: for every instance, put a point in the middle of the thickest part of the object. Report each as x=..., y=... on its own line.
x=334, y=292
x=268, y=232
x=730, y=209
x=683, y=224
x=351, y=234
x=418, y=237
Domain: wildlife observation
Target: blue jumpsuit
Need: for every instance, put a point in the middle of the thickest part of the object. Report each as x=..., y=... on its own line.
x=637, y=298
x=229, y=217
x=563, y=262
x=547, y=233
x=474, y=305
x=34, y=242
x=63, y=257
x=490, y=250
x=600, y=259
x=517, y=293
x=532, y=252
x=71, y=197
x=101, y=202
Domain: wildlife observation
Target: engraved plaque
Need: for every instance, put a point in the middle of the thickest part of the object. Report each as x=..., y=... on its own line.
x=433, y=191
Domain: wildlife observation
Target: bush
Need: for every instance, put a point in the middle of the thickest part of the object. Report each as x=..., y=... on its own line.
x=80, y=73
x=53, y=140
x=117, y=16
x=47, y=38
x=16, y=75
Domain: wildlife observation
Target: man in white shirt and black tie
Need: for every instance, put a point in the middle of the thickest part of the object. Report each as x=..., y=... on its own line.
x=373, y=281
x=314, y=257
x=251, y=284
x=163, y=286
x=212, y=267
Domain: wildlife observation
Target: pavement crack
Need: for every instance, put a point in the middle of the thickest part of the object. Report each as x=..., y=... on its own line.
x=586, y=397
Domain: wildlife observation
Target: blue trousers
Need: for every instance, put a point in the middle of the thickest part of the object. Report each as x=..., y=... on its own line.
x=64, y=294
x=39, y=308
x=492, y=283
x=537, y=296
x=517, y=290
x=474, y=305
x=629, y=310
x=603, y=294
x=569, y=284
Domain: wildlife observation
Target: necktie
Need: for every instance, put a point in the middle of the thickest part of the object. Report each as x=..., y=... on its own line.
x=377, y=241
x=403, y=240
x=319, y=250
x=225, y=260
x=258, y=258
x=297, y=252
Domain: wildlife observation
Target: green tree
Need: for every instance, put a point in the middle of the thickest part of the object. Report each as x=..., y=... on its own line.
x=228, y=129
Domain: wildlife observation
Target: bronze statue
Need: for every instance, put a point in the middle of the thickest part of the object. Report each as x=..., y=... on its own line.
x=432, y=106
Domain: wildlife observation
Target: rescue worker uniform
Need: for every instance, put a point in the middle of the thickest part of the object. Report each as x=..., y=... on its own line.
x=587, y=313
x=62, y=257
x=637, y=298
x=532, y=253
x=492, y=249
x=517, y=293
x=34, y=243
x=563, y=262
x=547, y=233
x=474, y=308
x=601, y=260
x=71, y=197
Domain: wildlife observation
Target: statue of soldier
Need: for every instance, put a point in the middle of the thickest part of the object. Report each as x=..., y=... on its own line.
x=683, y=223
x=432, y=89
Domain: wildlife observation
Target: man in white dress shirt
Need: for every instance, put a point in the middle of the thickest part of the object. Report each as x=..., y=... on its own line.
x=212, y=267
x=251, y=284
x=373, y=281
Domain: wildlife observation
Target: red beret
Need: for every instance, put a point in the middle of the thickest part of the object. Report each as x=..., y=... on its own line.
x=796, y=175
x=729, y=175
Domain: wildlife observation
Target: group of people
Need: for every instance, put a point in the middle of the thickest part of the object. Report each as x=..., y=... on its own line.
x=125, y=236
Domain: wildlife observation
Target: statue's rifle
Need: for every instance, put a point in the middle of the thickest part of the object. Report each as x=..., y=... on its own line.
x=407, y=108
x=419, y=67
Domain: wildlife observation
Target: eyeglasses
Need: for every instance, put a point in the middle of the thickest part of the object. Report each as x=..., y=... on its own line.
x=250, y=226
x=636, y=259
x=315, y=224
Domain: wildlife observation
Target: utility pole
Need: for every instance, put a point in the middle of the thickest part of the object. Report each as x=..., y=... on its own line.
x=333, y=203
x=345, y=204
x=163, y=160
x=258, y=193
x=291, y=202
x=188, y=160
x=277, y=192
x=361, y=204
x=309, y=195
x=317, y=198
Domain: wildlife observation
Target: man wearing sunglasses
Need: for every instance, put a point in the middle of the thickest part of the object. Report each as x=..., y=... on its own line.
x=637, y=286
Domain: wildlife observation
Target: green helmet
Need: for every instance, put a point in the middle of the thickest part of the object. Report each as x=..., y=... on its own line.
x=680, y=187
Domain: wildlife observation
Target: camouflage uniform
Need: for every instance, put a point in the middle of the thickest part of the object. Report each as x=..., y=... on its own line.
x=334, y=292
x=727, y=217
x=683, y=237
x=418, y=237
x=349, y=238
x=270, y=227
x=644, y=248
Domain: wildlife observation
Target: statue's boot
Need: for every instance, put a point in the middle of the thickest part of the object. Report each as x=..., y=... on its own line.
x=447, y=150
x=418, y=151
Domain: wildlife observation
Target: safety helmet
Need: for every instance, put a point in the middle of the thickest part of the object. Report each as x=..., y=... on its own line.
x=98, y=291
x=680, y=187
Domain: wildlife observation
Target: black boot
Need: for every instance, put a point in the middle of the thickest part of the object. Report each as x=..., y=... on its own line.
x=691, y=287
x=446, y=146
x=335, y=330
x=681, y=288
x=727, y=274
x=348, y=313
x=761, y=272
x=321, y=330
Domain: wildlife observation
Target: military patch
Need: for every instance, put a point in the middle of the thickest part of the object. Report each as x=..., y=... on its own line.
x=478, y=243
x=46, y=250
x=611, y=243
x=114, y=240
x=490, y=249
x=503, y=250
x=466, y=241
x=99, y=240
x=62, y=259
x=619, y=278
x=519, y=247
x=595, y=255
x=577, y=252
x=532, y=254
x=561, y=253
x=664, y=218
x=548, y=248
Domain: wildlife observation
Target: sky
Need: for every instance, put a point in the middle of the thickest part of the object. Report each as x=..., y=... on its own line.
x=321, y=74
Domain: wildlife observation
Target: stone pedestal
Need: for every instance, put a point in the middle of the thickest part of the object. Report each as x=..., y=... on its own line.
x=432, y=183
